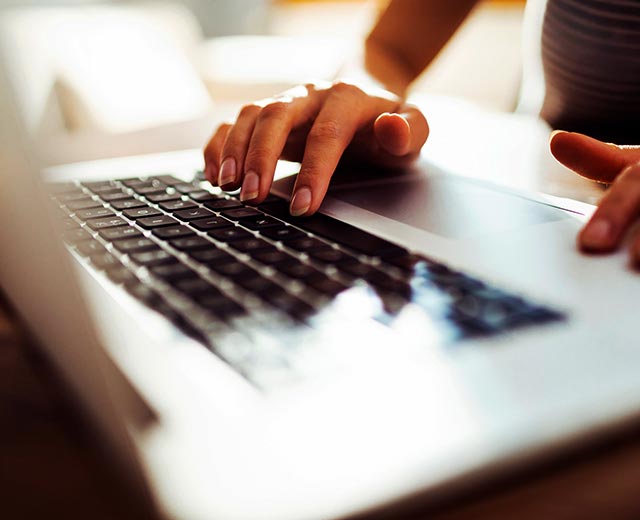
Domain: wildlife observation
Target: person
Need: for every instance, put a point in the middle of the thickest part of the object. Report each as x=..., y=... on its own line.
x=592, y=86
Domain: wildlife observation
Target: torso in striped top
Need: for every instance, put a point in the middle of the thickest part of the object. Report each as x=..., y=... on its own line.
x=591, y=59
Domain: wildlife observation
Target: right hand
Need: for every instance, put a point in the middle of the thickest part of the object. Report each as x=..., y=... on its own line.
x=316, y=125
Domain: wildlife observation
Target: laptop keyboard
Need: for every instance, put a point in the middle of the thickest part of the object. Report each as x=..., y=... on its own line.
x=219, y=269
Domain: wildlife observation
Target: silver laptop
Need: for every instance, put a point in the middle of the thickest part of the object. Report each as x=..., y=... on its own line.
x=420, y=336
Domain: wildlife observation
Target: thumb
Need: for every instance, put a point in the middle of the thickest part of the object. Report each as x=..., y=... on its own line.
x=591, y=158
x=401, y=134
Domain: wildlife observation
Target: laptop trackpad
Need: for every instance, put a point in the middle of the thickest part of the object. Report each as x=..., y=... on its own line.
x=449, y=206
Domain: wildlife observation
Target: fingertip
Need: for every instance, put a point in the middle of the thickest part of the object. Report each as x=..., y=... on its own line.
x=301, y=202
x=393, y=133
x=211, y=174
x=598, y=236
x=587, y=156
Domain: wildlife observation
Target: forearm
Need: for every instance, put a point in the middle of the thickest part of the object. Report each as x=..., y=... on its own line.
x=406, y=39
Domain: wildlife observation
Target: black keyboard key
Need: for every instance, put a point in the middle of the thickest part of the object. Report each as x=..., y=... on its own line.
x=252, y=245
x=230, y=234
x=173, y=272
x=90, y=247
x=177, y=205
x=194, y=214
x=221, y=306
x=143, y=293
x=325, y=285
x=99, y=186
x=131, y=183
x=258, y=285
x=163, y=197
x=115, y=196
x=166, y=233
x=242, y=213
x=169, y=180
x=153, y=258
x=192, y=244
x=156, y=222
x=213, y=257
x=202, y=196
x=128, y=203
x=134, y=245
x=299, y=271
x=260, y=223
x=271, y=199
x=330, y=256
x=149, y=183
x=74, y=236
x=222, y=204
x=405, y=261
x=119, y=233
x=345, y=234
x=385, y=283
x=195, y=287
x=274, y=258
x=121, y=275
x=150, y=190
x=105, y=223
x=358, y=269
x=284, y=233
x=136, y=213
x=185, y=188
x=84, y=204
x=234, y=270
x=307, y=244
x=289, y=304
x=105, y=261
x=100, y=212
x=207, y=224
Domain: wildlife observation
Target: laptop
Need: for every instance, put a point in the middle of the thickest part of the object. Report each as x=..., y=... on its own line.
x=421, y=336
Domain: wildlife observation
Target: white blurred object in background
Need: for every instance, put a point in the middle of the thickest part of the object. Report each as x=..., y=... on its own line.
x=114, y=69
x=244, y=68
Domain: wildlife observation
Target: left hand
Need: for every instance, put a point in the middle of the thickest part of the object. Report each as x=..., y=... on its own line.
x=619, y=209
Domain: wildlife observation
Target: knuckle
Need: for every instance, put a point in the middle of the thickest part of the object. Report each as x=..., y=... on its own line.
x=248, y=110
x=342, y=88
x=328, y=130
x=275, y=110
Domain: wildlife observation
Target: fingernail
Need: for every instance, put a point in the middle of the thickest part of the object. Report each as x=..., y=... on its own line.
x=300, y=202
x=597, y=233
x=227, y=172
x=250, y=187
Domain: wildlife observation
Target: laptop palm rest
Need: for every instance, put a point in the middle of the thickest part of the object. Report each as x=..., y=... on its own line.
x=446, y=205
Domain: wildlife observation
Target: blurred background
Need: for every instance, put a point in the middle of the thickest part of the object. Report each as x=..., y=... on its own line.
x=106, y=79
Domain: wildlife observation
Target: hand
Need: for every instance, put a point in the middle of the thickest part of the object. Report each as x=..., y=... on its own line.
x=620, y=207
x=316, y=125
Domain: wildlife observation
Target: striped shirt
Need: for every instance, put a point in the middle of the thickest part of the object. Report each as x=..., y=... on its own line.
x=591, y=61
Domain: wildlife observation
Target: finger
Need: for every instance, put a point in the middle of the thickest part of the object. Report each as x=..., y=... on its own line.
x=235, y=148
x=592, y=158
x=212, y=153
x=619, y=208
x=401, y=134
x=272, y=130
x=345, y=111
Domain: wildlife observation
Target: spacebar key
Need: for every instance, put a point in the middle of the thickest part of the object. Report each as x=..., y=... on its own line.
x=340, y=232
